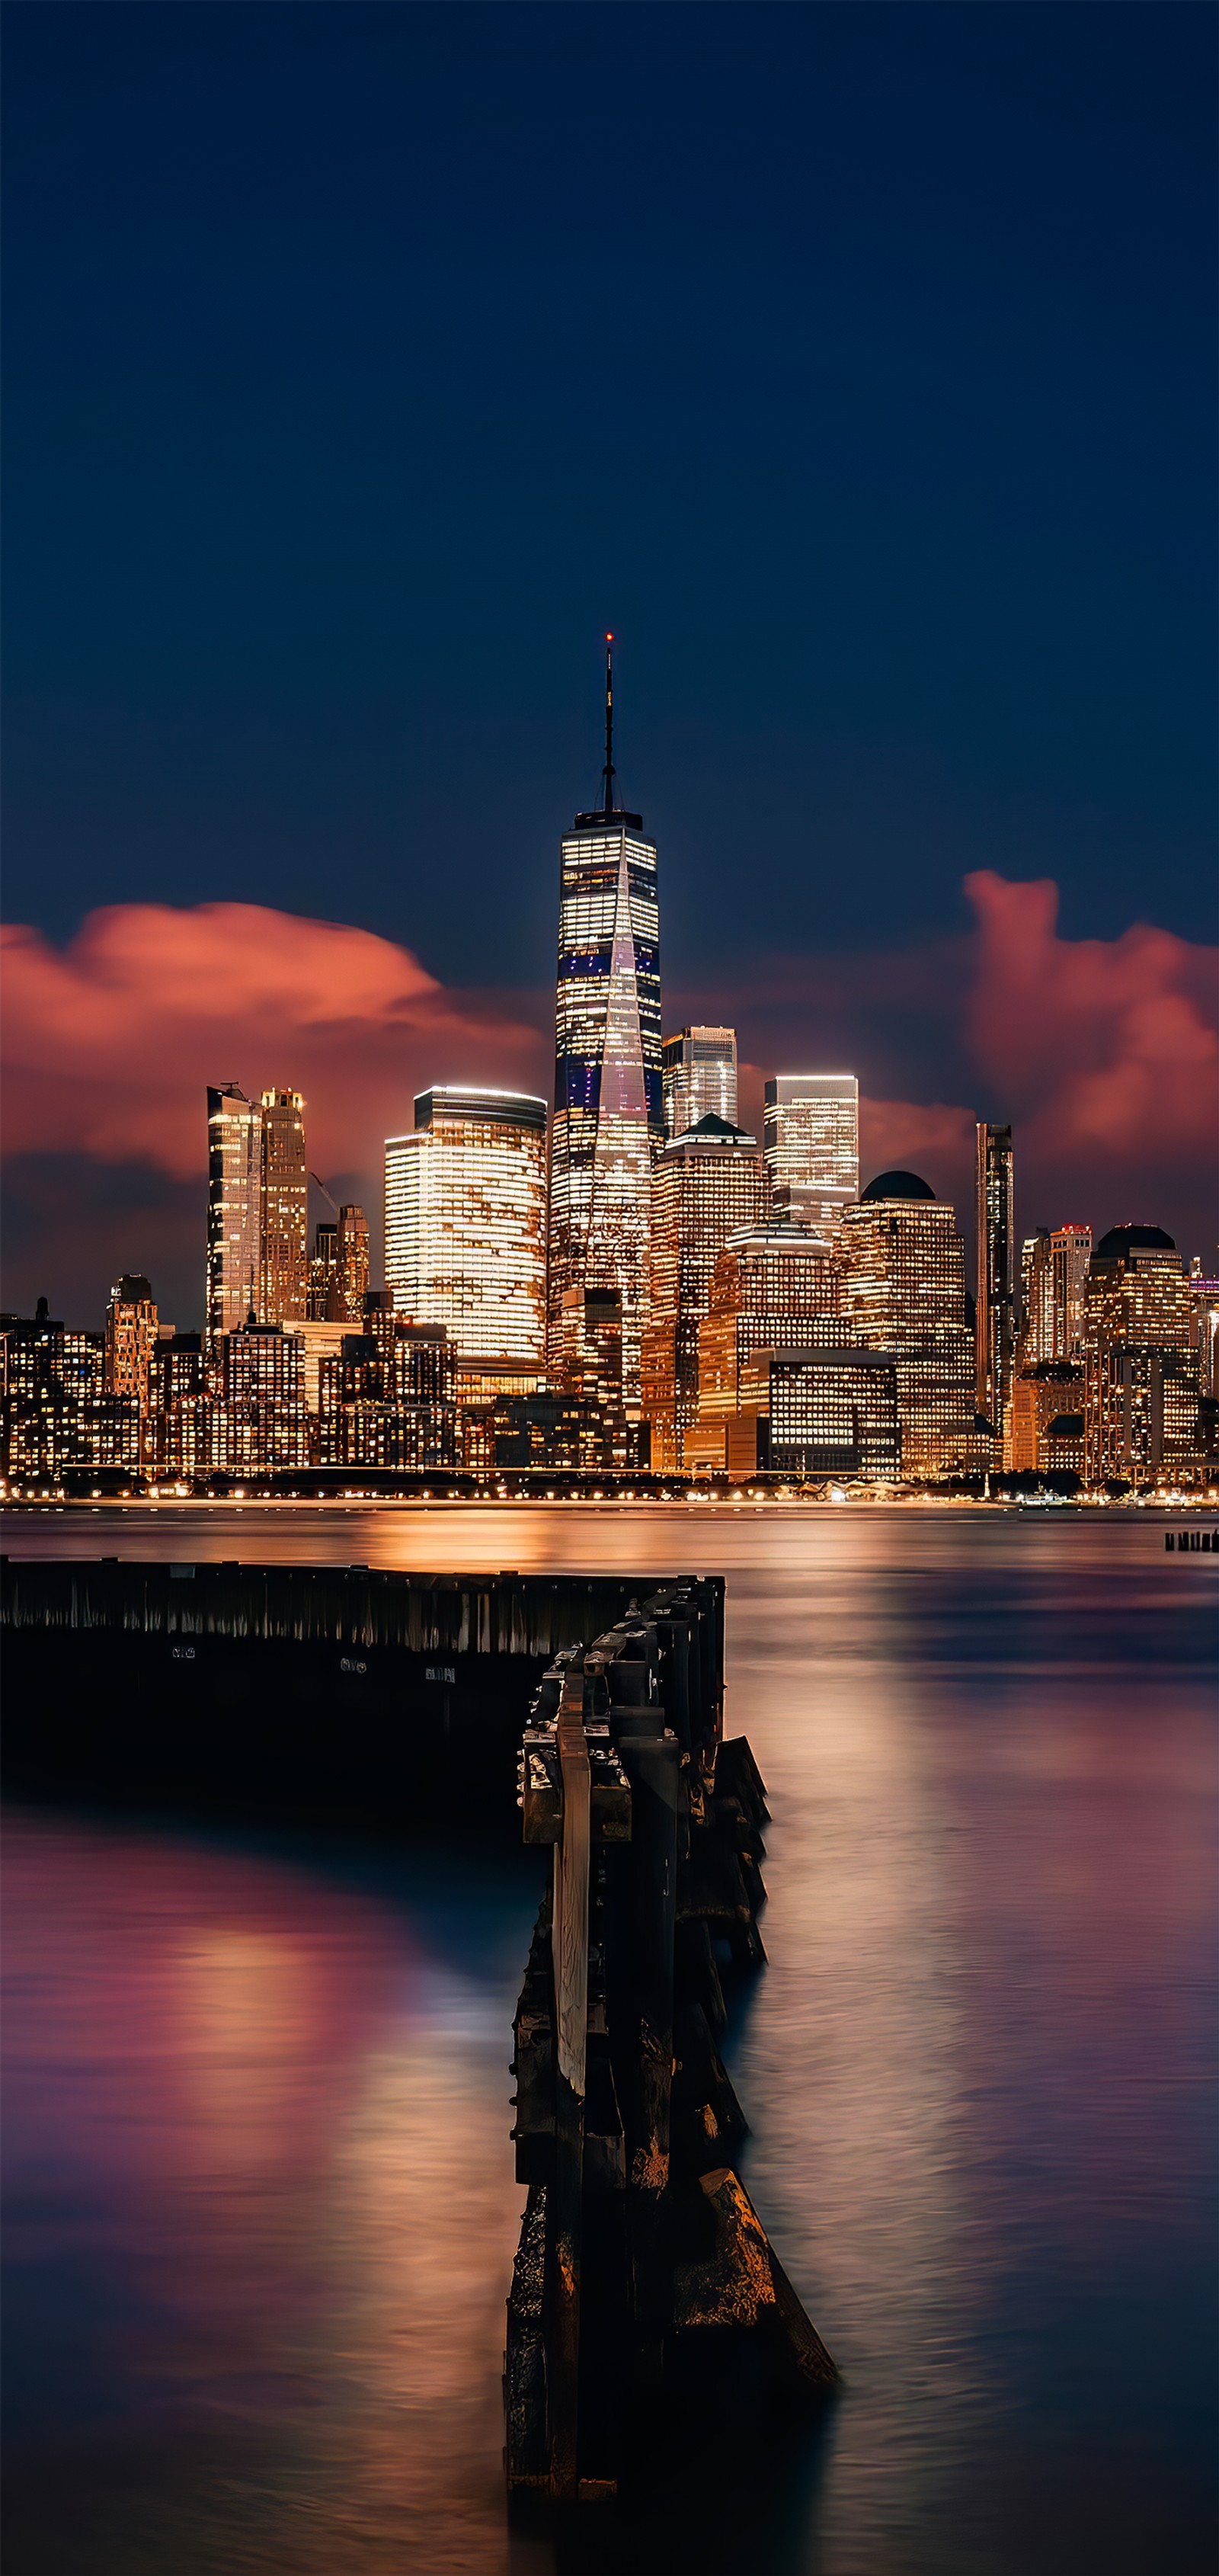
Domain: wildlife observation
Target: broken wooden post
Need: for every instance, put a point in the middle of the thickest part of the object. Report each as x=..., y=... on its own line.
x=642, y=2264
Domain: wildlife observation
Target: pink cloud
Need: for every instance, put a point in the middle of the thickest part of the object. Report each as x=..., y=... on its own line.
x=109, y=1043
x=1107, y=1050
x=1102, y=1053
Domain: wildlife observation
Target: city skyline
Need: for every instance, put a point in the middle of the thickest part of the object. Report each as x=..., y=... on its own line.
x=600, y=1287
x=351, y=1001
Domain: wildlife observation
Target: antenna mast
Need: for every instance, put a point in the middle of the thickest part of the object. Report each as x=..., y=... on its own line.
x=608, y=771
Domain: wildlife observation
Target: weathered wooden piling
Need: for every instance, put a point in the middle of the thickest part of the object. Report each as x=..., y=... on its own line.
x=643, y=2270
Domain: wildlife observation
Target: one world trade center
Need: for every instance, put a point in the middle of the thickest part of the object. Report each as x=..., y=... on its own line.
x=608, y=1115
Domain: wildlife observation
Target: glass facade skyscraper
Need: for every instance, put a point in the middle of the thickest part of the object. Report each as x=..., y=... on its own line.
x=608, y=1114
x=257, y=1251
x=996, y=1299
x=811, y=1136
x=698, y=1075
x=465, y=1220
x=709, y=1184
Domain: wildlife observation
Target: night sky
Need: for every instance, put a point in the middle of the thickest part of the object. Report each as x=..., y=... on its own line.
x=854, y=363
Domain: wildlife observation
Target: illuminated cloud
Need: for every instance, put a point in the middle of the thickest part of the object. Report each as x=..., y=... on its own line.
x=1102, y=1053
x=1106, y=1049
x=109, y=1043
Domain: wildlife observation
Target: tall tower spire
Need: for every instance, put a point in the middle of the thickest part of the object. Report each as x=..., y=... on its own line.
x=608, y=771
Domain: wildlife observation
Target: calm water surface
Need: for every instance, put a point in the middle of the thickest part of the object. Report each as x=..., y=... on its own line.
x=260, y=2201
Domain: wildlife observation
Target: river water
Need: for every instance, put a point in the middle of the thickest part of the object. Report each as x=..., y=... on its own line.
x=260, y=2203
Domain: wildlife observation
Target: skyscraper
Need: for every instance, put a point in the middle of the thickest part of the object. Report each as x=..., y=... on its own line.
x=608, y=1118
x=698, y=1077
x=234, y=1204
x=708, y=1185
x=465, y=1220
x=351, y=1260
x=995, y=1310
x=131, y=1333
x=1141, y=1389
x=1071, y=1255
x=904, y=1292
x=283, y=1279
x=811, y=1136
x=257, y=1257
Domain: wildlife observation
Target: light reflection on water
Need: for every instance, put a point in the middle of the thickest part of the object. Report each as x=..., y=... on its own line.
x=260, y=2184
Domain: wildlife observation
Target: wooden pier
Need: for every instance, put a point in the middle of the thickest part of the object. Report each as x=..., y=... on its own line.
x=644, y=2283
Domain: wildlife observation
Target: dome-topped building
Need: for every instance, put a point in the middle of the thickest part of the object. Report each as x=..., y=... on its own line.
x=1121, y=1240
x=904, y=1294
x=897, y=1185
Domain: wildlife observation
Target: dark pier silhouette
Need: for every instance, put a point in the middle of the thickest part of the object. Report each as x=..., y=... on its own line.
x=645, y=2291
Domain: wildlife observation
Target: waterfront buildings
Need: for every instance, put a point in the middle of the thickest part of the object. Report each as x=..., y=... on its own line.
x=131, y=1335
x=260, y=1421
x=811, y=1135
x=708, y=1185
x=698, y=1078
x=608, y=1113
x=257, y=1209
x=904, y=1293
x=465, y=1220
x=994, y=1206
x=283, y=1247
x=338, y=1268
x=1141, y=1397
x=1046, y=1418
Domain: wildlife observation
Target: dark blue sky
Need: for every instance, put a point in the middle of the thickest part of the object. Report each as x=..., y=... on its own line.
x=854, y=363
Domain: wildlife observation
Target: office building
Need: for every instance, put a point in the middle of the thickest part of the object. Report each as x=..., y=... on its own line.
x=698, y=1078
x=283, y=1249
x=388, y=1397
x=131, y=1336
x=1141, y=1389
x=261, y=1420
x=179, y=1429
x=323, y=1298
x=351, y=1260
x=1045, y=1427
x=904, y=1292
x=811, y=1136
x=708, y=1185
x=55, y=1412
x=608, y=1114
x=806, y=1414
x=995, y=1307
x=1204, y=1330
x=465, y=1220
x=587, y=1347
x=234, y=1209
x=257, y=1210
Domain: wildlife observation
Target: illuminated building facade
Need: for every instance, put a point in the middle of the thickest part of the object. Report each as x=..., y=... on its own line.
x=131, y=1335
x=234, y=1208
x=1071, y=1258
x=261, y=1421
x=698, y=1078
x=708, y=1185
x=180, y=1425
x=465, y=1220
x=388, y=1398
x=811, y=1135
x=904, y=1292
x=55, y=1411
x=351, y=1260
x=994, y=1205
x=608, y=1115
x=1045, y=1418
x=1204, y=1330
x=1141, y=1398
x=283, y=1214
x=323, y=1297
x=587, y=1346
x=257, y=1209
